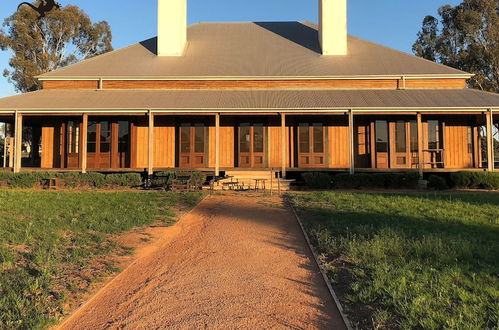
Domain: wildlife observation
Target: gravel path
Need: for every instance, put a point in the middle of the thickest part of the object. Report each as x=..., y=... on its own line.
x=232, y=262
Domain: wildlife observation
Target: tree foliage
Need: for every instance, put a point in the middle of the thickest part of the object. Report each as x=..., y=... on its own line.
x=465, y=37
x=41, y=44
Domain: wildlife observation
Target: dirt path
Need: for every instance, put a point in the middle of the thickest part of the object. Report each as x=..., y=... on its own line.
x=233, y=262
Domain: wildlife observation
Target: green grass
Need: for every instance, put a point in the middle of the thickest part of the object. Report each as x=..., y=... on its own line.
x=48, y=237
x=416, y=261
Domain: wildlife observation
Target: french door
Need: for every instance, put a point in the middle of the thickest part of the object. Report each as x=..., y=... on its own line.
x=311, y=145
x=396, y=144
x=72, y=144
x=251, y=145
x=108, y=144
x=192, y=145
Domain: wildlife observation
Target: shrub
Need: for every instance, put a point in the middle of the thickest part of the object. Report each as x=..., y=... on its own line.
x=73, y=180
x=437, y=182
x=477, y=180
x=162, y=179
x=317, y=180
x=376, y=180
x=24, y=180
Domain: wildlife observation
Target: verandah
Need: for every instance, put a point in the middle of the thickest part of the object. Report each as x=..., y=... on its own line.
x=340, y=140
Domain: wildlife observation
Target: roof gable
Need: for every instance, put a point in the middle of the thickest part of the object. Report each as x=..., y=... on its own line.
x=252, y=50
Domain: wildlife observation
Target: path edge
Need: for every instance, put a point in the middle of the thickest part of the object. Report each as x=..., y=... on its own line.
x=321, y=269
x=113, y=278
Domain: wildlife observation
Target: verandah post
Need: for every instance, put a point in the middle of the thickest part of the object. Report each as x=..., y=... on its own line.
x=217, y=144
x=18, y=141
x=84, y=137
x=420, y=145
x=150, y=145
x=490, y=140
x=351, y=142
x=283, y=144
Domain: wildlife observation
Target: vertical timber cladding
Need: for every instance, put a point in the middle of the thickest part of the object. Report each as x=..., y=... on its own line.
x=459, y=142
x=164, y=142
x=227, y=142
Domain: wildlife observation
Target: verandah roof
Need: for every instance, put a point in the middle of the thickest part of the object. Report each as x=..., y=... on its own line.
x=248, y=100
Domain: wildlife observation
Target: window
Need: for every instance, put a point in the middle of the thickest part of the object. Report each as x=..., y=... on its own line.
x=123, y=136
x=470, y=139
x=381, y=136
x=258, y=138
x=199, y=138
x=414, y=136
x=245, y=137
x=318, y=134
x=92, y=136
x=304, y=138
x=185, y=138
x=400, y=133
x=105, y=136
x=433, y=135
x=73, y=137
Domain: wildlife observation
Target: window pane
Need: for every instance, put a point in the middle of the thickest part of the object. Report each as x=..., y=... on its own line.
x=92, y=129
x=400, y=136
x=185, y=135
x=318, y=132
x=304, y=138
x=105, y=147
x=258, y=139
x=414, y=136
x=199, y=139
x=381, y=136
x=433, y=135
x=104, y=126
x=244, y=138
x=470, y=139
x=91, y=147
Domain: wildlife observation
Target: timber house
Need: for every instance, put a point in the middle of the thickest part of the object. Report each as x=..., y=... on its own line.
x=222, y=97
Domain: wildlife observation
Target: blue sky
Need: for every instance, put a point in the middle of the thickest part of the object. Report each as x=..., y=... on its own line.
x=393, y=23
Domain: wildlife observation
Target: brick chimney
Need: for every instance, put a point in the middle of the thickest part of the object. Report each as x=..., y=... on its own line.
x=172, y=27
x=333, y=31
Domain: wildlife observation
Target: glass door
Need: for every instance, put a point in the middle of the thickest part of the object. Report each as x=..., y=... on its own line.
x=192, y=146
x=251, y=145
x=99, y=144
x=72, y=147
x=382, y=144
x=311, y=149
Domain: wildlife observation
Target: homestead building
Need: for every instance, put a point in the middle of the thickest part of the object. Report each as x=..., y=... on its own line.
x=221, y=97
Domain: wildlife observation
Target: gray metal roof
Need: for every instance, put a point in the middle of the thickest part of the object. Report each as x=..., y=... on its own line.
x=247, y=100
x=252, y=50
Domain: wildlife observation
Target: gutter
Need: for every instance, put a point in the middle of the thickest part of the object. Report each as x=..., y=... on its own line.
x=253, y=78
x=253, y=110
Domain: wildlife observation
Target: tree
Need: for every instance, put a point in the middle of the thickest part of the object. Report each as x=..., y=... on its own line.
x=467, y=38
x=41, y=44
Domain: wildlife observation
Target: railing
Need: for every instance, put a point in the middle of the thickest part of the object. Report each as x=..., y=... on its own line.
x=435, y=157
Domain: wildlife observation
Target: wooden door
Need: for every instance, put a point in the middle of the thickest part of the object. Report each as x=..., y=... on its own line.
x=72, y=144
x=99, y=144
x=311, y=148
x=192, y=146
x=120, y=145
x=381, y=148
x=252, y=146
x=402, y=143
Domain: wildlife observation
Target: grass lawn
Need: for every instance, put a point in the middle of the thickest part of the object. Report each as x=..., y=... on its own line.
x=46, y=235
x=411, y=261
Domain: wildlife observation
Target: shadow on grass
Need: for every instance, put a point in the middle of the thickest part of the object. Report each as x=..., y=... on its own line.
x=410, y=260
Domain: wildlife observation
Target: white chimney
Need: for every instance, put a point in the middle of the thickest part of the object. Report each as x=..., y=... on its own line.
x=172, y=27
x=333, y=31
